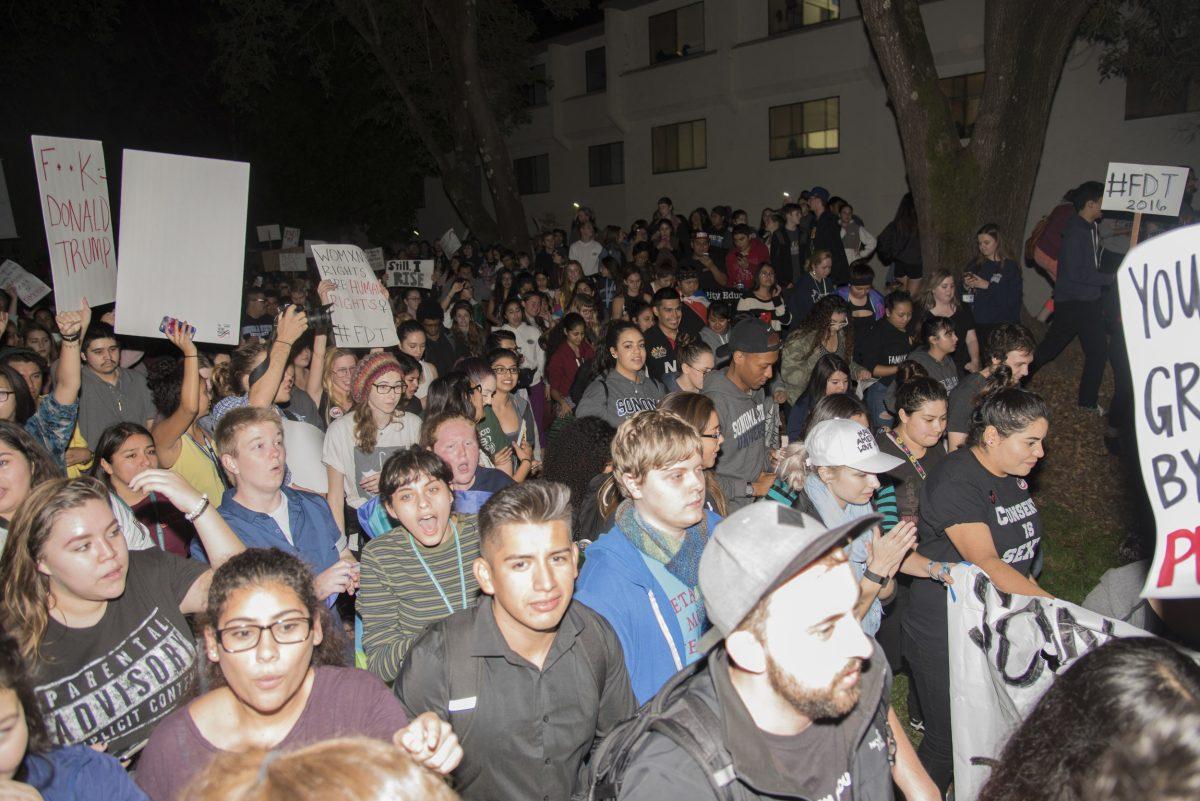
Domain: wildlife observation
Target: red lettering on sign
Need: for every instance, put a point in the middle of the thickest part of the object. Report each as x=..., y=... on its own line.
x=1166, y=576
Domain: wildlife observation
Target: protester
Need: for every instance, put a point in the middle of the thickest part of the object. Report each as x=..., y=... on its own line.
x=89, y=615
x=934, y=351
x=261, y=375
x=24, y=464
x=439, y=349
x=644, y=568
x=569, y=350
x=357, y=445
x=938, y=296
x=547, y=673
x=1111, y=693
x=273, y=653
x=797, y=698
x=31, y=768
x=109, y=394
x=826, y=234
x=825, y=330
x=764, y=299
x=413, y=342
x=452, y=436
x=620, y=389
x=830, y=376
x=993, y=283
x=699, y=412
x=1008, y=352
x=857, y=241
x=514, y=412
x=811, y=285
x=632, y=290
x=40, y=341
x=664, y=338
x=899, y=245
x=340, y=769
x=749, y=418
x=696, y=360
x=717, y=327
x=864, y=303
x=581, y=460
x=417, y=573
x=883, y=349
x=742, y=262
x=975, y=507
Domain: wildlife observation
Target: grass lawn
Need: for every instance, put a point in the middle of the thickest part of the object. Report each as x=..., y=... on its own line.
x=1077, y=554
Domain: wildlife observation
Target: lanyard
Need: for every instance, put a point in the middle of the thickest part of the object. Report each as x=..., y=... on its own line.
x=909, y=454
x=208, y=452
x=462, y=579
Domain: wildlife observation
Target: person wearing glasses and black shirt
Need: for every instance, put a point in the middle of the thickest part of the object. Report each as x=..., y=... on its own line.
x=272, y=653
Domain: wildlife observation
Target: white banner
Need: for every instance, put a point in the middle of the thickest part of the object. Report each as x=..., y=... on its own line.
x=1159, y=287
x=450, y=243
x=303, y=443
x=362, y=316
x=375, y=259
x=410, y=273
x=1005, y=651
x=29, y=288
x=268, y=233
x=8, y=226
x=73, y=189
x=183, y=244
x=1144, y=188
x=291, y=237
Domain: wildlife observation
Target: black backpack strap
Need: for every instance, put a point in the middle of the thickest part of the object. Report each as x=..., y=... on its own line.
x=463, y=672
x=693, y=726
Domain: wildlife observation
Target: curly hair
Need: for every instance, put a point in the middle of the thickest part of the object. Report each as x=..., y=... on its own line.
x=580, y=453
x=816, y=324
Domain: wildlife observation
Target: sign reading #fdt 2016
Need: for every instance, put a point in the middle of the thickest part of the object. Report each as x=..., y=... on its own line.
x=1159, y=285
x=1144, y=189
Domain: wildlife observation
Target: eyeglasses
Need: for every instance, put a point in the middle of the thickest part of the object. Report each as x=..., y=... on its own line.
x=343, y=371
x=505, y=370
x=236, y=639
x=712, y=436
x=388, y=389
x=5, y=394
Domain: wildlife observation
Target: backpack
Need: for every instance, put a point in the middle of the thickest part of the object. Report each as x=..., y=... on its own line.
x=687, y=720
x=1034, y=237
x=583, y=377
x=464, y=672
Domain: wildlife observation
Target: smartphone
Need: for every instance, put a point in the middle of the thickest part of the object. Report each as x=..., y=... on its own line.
x=170, y=325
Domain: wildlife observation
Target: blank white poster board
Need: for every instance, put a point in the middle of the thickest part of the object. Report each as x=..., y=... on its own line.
x=182, y=245
x=73, y=192
x=8, y=226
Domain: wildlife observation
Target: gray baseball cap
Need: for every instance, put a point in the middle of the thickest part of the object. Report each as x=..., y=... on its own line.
x=754, y=552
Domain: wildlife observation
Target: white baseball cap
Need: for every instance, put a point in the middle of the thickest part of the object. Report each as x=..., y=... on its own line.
x=845, y=443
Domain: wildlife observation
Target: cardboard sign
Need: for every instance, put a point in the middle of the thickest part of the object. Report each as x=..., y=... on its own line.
x=1159, y=287
x=8, y=226
x=29, y=287
x=269, y=233
x=410, y=273
x=362, y=316
x=450, y=243
x=292, y=263
x=291, y=237
x=1144, y=189
x=375, y=259
x=1005, y=652
x=73, y=189
x=168, y=200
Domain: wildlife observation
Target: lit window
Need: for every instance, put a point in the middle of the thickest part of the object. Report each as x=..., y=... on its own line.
x=805, y=129
x=682, y=146
x=676, y=33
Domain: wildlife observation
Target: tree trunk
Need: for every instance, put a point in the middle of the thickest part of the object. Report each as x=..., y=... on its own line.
x=959, y=187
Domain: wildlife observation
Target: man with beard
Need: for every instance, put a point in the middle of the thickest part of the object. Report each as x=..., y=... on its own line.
x=801, y=693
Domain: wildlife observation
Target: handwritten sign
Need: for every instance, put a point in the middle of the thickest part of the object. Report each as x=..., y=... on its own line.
x=73, y=188
x=29, y=288
x=291, y=237
x=1159, y=286
x=163, y=197
x=292, y=263
x=308, y=246
x=268, y=233
x=1144, y=189
x=375, y=259
x=410, y=273
x=450, y=243
x=362, y=316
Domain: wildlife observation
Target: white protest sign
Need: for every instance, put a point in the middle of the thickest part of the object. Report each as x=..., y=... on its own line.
x=1159, y=287
x=375, y=258
x=410, y=273
x=1144, y=188
x=362, y=316
x=1005, y=651
x=8, y=226
x=183, y=240
x=303, y=443
x=73, y=188
x=308, y=246
x=291, y=237
x=268, y=233
x=292, y=263
x=450, y=243
x=29, y=288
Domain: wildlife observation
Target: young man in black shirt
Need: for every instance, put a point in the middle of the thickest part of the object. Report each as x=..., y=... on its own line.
x=529, y=678
x=663, y=339
x=256, y=323
x=826, y=234
x=885, y=346
x=439, y=350
x=792, y=238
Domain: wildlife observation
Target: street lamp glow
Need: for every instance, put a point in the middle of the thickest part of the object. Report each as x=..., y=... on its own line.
x=785, y=194
x=576, y=205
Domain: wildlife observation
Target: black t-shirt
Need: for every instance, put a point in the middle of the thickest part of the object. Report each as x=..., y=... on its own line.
x=112, y=682
x=960, y=490
x=661, y=352
x=862, y=318
x=962, y=403
x=905, y=478
x=260, y=327
x=963, y=322
x=883, y=345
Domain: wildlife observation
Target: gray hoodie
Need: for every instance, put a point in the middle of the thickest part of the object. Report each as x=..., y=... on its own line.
x=615, y=398
x=750, y=425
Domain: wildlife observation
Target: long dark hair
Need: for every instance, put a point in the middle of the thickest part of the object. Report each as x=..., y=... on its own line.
x=580, y=453
x=605, y=361
x=558, y=334
x=825, y=367
x=1009, y=410
x=110, y=442
x=449, y=393
x=816, y=324
x=14, y=675
x=906, y=216
x=25, y=407
x=1120, y=687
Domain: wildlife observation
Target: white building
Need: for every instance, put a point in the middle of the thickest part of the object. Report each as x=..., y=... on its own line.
x=740, y=101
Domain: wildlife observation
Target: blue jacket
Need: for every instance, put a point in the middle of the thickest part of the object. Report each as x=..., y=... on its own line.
x=873, y=297
x=1079, y=277
x=78, y=773
x=616, y=583
x=314, y=531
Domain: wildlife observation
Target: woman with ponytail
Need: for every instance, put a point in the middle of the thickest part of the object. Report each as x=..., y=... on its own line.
x=1007, y=356
x=935, y=350
x=620, y=388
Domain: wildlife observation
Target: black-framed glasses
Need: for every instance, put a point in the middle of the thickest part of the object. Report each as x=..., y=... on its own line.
x=289, y=631
x=388, y=389
x=505, y=370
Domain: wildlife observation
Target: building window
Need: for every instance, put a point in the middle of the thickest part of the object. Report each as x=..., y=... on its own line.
x=606, y=164
x=676, y=33
x=682, y=146
x=533, y=174
x=1141, y=100
x=963, y=92
x=788, y=15
x=535, y=90
x=596, y=79
x=804, y=129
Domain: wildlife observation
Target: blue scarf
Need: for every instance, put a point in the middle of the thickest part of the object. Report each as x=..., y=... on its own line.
x=682, y=558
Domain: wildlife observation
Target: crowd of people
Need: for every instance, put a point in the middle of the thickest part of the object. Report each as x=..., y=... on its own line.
x=640, y=513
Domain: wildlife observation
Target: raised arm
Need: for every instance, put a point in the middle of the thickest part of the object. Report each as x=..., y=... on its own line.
x=320, y=345
x=67, y=374
x=291, y=325
x=168, y=433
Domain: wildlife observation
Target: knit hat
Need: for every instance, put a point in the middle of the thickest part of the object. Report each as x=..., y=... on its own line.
x=369, y=370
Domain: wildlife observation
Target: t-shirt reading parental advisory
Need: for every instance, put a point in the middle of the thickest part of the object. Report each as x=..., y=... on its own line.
x=112, y=682
x=961, y=490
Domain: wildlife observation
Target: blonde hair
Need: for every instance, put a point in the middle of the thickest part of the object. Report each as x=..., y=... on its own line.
x=336, y=397
x=238, y=420
x=344, y=769
x=649, y=440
